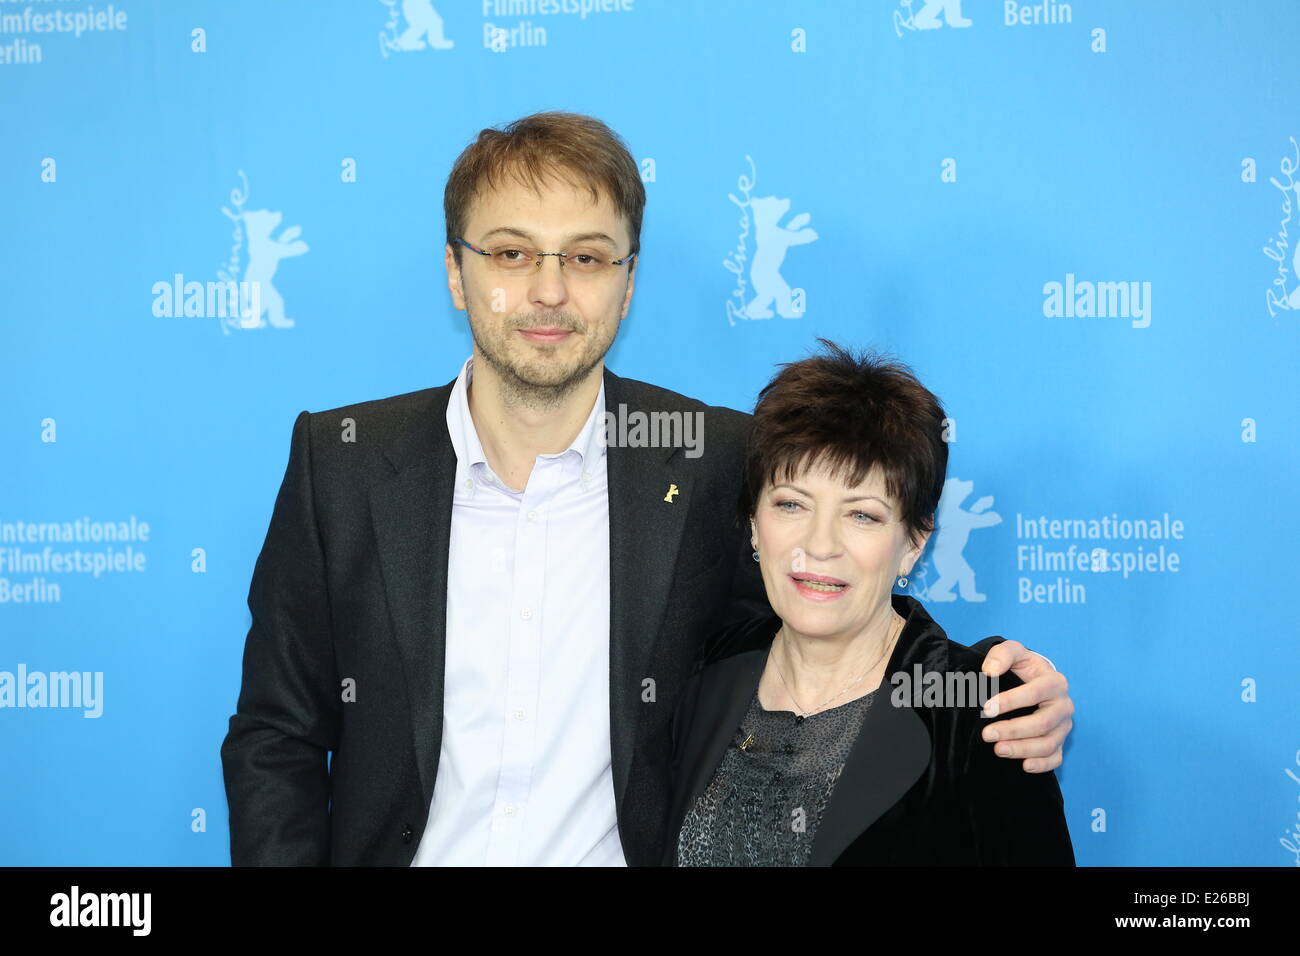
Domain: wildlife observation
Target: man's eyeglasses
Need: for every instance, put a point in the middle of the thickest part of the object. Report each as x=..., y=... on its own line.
x=519, y=258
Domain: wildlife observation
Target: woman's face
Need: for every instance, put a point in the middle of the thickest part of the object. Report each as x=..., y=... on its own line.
x=816, y=528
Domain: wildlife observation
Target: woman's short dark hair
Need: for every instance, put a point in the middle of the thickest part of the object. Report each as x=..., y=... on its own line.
x=848, y=413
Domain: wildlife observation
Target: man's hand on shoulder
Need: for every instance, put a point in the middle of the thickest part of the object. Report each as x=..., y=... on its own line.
x=1037, y=738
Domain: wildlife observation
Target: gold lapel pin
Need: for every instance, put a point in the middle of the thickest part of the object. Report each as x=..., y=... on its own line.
x=748, y=740
x=672, y=490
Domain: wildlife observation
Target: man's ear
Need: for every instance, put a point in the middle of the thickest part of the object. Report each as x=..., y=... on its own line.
x=454, y=278
x=631, y=283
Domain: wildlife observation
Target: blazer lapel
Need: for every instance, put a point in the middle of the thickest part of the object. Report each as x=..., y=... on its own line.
x=719, y=709
x=645, y=531
x=888, y=756
x=411, y=515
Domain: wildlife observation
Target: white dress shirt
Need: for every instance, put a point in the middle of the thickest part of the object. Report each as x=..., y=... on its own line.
x=524, y=773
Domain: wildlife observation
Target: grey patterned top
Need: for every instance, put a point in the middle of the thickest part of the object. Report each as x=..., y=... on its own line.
x=764, y=802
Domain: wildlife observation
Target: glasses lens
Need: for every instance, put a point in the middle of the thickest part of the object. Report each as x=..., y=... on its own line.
x=512, y=258
x=585, y=263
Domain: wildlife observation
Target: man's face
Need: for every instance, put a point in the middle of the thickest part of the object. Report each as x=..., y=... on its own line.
x=542, y=329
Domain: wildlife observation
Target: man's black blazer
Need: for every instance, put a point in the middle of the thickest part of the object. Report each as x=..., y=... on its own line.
x=348, y=597
x=920, y=786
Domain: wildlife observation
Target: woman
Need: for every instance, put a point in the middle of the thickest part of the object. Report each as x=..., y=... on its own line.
x=822, y=749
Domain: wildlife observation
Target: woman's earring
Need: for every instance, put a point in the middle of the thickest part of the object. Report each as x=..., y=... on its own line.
x=902, y=581
x=756, y=558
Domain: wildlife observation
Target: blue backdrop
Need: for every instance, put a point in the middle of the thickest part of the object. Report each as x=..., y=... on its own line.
x=1077, y=222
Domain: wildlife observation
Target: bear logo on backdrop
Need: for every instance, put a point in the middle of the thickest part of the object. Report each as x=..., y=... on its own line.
x=255, y=228
x=760, y=220
x=771, y=240
x=422, y=30
x=945, y=566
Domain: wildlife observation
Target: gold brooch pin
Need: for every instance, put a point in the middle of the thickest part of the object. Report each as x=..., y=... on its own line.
x=672, y=490
x=748, y=740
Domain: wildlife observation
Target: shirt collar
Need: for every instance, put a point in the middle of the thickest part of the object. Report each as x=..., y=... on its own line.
x=588, y=446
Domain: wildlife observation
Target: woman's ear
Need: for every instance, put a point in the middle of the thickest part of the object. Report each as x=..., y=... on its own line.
x=918, y=548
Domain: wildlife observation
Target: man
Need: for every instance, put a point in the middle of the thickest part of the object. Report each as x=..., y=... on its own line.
x=470, y=616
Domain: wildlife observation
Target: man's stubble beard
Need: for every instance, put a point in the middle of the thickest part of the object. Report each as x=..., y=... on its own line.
x=535, y=387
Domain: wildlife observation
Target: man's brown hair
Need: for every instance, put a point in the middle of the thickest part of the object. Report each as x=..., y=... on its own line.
x=573, y=148
x=849, y=413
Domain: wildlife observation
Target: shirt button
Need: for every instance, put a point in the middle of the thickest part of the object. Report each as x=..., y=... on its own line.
x=586, y=476
x=532, y=516
x=526, y=614
x=469, y=484
x=520, y=714
x=508, y=809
